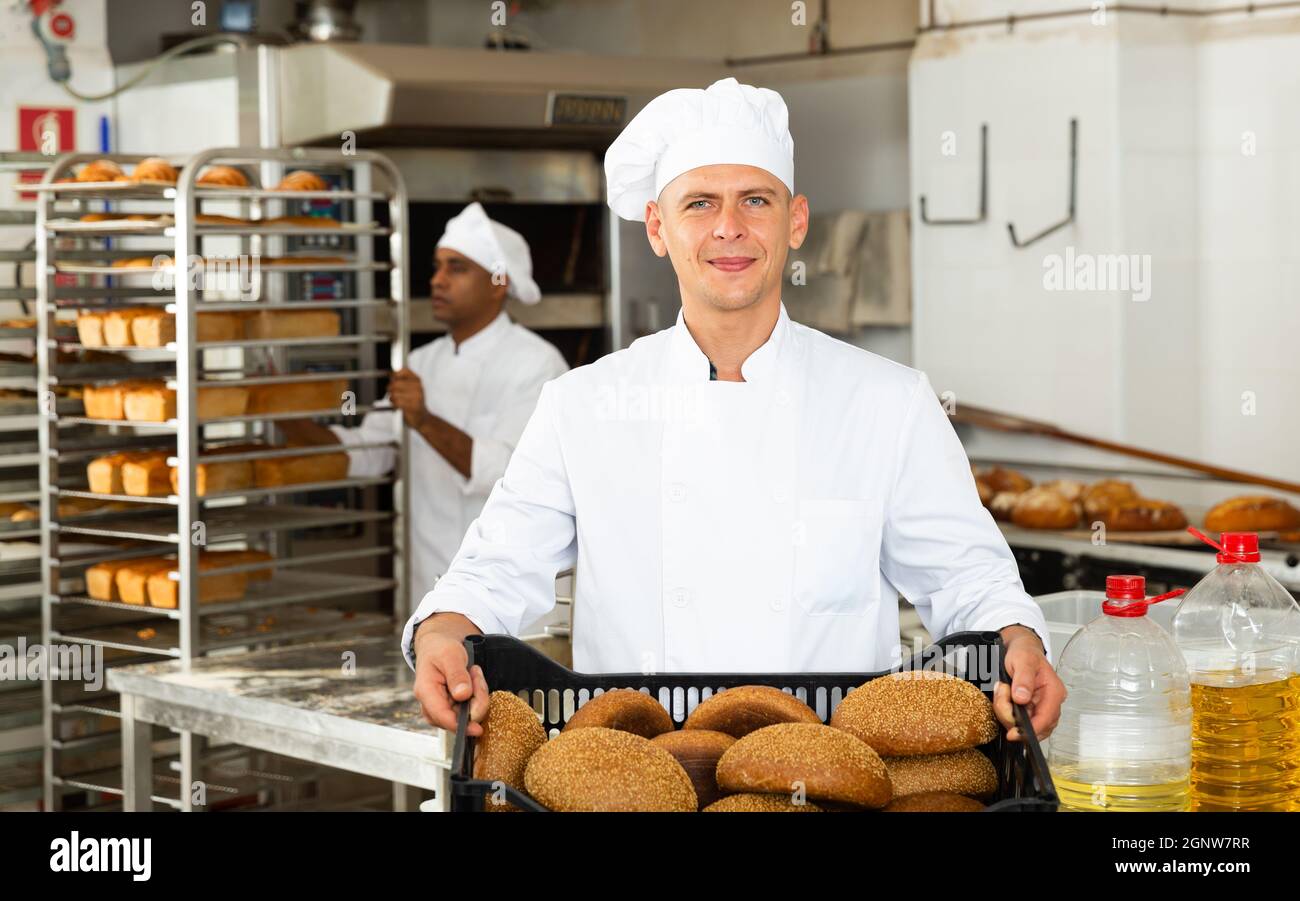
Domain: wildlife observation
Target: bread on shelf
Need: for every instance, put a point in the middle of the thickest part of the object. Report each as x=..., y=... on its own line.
x=1044, y=508
x=297, y=397
x=279, y=324
x=117, y=325
x=222, y=475
x=157, y=403
x=1099, y=497
x=100, y=170
x=154, y=169
x=101, y=579
x=109, y=401
x=105, y=473
x=1144, y=515
x=305, y=221
x=239, y=558
x=214, y=219
x=145, y=475
x=299, y=470
x=302, y=180
x=164, y=591
x=90, y=327
x=132, y=580
x=157, y=329
x=1000, y=479
x=223, y=176
x=1252, y=513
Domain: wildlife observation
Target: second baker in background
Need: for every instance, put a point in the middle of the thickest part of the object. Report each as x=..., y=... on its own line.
x=466, y=396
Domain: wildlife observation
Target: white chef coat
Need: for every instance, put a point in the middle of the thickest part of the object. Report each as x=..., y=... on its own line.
x=487, y=387
x=759, y=526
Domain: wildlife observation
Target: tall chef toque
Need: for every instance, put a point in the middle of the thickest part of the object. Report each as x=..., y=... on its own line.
x=686, y=128
x=494, y=247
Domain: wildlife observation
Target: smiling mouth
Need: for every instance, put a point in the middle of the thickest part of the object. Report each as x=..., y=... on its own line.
x=731, y=264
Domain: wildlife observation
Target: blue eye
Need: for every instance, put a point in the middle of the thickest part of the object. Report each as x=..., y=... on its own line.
x=762, y=200
x=692, y=204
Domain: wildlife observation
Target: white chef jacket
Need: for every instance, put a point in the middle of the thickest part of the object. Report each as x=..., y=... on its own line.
x=767, y=525
x=486, y=387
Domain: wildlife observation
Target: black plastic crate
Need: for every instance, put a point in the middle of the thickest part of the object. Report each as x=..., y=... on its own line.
x=1024, y=783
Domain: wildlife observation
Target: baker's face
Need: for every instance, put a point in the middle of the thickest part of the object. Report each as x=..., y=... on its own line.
x=727, y=229
x=462, y=290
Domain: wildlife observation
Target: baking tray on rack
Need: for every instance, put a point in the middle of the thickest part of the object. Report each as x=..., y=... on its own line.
x=222, y=522
x=325, y=264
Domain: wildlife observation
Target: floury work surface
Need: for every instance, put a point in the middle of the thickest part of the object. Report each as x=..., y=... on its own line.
x=345, y=704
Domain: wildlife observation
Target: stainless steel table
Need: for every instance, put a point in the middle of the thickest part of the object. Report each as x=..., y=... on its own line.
x=344, y=704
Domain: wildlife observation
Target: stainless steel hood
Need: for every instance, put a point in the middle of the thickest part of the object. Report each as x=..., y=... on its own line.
x=400, y=94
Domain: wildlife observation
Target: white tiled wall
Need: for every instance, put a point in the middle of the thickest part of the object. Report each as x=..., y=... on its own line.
x=1162, y=105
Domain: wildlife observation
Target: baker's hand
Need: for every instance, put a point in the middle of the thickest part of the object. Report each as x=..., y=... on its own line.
x=407, y=394
x=1033, y=682
x=442, y=682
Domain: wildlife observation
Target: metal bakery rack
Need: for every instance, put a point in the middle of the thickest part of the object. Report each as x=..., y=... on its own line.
x=228, y=258
x=20, y=576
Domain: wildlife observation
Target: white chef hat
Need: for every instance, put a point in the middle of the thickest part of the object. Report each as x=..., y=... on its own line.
x=494, y=247
x=686, y=128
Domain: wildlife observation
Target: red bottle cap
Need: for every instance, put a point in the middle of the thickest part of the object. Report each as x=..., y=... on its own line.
x=1238, y=547
x=1127, y=596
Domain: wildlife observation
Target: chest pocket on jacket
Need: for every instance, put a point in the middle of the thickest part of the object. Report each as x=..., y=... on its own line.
x=836, y=556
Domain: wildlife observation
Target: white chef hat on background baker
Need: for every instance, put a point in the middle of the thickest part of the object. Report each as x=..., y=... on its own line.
x=686, y=128
x=495, y=247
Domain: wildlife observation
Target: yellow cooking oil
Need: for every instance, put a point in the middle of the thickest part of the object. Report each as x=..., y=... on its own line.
x=1100, y=788
x=1246, y=744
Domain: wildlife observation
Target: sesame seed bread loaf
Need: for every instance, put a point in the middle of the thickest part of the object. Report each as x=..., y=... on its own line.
x=741, y=710
x=917, y=712
x=698, y=751
x=598, y=769
x=821, y=762
x=623, y=709
x=512, y=731
x=752, y=802
x=966, y=772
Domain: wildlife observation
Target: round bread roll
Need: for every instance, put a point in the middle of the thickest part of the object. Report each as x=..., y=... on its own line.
x=917, y=712
x=698, y=751
x=985, y=489
x=752, y=802
x=1144, y=515
x=301, y=180
x=741, y=710
x=154, y=169
x=100, y=170
x=966, y=772
x=1043, y=508
x=224, y=176
x=623, y=709
x=599, y=769
x=1069, y=489
x=1000, y=479
x=1101, y=496
x=827, y=764
x=1252, y=513
x=934, y=802
x=512, y=731
x=1004, y=504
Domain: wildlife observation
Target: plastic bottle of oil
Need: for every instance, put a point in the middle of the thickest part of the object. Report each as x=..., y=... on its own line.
x=1239, y=631
x=1123, y=742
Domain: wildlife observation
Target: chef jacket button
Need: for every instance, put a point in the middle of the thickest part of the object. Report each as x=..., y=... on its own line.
x=676, y=492
x=680, y=597
x=783, y=398
x=780, y=495
x=778, y=604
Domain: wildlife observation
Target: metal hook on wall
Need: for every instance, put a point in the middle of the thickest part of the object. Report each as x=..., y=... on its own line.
x=984, y=188
x=1074, y=178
